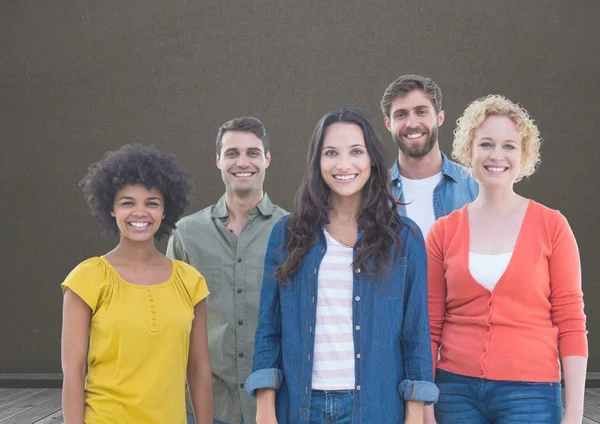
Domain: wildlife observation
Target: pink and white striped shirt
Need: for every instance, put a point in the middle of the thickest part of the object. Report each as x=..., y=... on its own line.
x=333, y=362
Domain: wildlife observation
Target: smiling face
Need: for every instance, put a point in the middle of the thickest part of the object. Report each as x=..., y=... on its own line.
x=242, y=162
x=496, y=152
x=345, y=161
x=138, y=212
x=414, y=124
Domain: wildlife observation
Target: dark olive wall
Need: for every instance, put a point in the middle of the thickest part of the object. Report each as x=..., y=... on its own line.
x=82, y=77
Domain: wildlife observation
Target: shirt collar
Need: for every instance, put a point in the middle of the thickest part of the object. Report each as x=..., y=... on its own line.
x=449, y=169
x=264, y=207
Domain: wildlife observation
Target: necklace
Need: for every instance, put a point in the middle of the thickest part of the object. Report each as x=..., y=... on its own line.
x=348, y=246
x=344, y=244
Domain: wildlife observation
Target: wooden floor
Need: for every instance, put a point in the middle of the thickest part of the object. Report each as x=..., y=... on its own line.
x=42, y=406
x=28, y=406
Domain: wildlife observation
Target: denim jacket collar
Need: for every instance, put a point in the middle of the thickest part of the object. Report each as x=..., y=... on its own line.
x=449, y=170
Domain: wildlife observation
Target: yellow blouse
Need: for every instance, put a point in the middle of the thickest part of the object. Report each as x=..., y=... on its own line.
x=139, y=342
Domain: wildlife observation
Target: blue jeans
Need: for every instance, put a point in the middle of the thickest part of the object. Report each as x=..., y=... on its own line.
x=190, y=419
x=331, y=406
x=472, y=400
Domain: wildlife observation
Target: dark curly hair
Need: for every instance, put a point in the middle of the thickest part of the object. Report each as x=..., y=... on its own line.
x=377, y=218
x=136, y=164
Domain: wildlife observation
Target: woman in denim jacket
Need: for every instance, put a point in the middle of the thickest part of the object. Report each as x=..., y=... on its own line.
x=343, y=333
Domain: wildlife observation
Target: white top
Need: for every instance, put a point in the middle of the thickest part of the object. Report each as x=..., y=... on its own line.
x=419, y=196
x=488, y=269
x=333, y=361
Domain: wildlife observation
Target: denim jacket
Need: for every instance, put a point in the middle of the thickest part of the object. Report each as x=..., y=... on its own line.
x=456, y=188
x=391, y=333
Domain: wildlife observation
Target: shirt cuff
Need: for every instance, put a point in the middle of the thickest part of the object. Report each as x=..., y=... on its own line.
x=419, y=391
x=267, y=378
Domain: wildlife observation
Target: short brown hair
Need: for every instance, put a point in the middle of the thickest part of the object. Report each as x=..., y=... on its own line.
x=407, y=83
x=247, y=124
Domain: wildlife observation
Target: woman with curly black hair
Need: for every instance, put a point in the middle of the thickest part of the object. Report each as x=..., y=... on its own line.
x=343, y=332
x=135, y=318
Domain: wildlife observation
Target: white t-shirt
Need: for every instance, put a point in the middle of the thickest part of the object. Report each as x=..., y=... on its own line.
x=418, y=194
x=488, y=269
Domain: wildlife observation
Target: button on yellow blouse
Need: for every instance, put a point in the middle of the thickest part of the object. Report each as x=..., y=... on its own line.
x=139, y=342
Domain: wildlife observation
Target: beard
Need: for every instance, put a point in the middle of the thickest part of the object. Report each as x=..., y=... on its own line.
x=417, y=151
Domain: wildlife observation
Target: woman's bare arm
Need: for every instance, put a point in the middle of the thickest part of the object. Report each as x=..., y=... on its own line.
x=199, y=376
x=74, y=346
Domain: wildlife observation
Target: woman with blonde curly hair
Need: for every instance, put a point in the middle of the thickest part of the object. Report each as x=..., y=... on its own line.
x=505, y=299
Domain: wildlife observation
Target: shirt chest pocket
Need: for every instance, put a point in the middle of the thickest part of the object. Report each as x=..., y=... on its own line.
x=212, y=270
x=392, y=285
x=255, y=278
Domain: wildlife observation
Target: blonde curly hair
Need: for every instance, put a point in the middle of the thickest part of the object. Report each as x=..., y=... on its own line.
x=496, y=105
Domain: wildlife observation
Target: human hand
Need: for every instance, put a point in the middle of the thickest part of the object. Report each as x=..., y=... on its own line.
x=571, y=418
x=265, y=417
x=428, y=415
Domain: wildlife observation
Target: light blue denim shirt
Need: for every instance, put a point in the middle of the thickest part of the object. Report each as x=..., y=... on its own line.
x=456, y=188
x=391, y=333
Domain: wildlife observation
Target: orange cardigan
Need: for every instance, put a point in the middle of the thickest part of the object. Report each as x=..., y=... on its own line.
x=535, y=311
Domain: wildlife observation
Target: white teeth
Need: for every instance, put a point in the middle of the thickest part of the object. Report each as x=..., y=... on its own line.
x=494, y=169
x=345, y=177
x=139, y=224
x=414, y=135
x=242, y=174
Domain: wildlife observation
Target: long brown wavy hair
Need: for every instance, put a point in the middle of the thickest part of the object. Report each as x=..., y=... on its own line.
x=377, y=218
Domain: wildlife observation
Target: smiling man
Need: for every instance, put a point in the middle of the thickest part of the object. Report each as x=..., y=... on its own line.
x=227, y=242
x=423, y=178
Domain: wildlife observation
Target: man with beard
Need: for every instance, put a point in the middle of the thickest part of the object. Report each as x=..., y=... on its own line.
x=423, y=178
x=226, y=243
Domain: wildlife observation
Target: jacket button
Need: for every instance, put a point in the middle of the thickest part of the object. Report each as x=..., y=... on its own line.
x=357, y=327
x=357, y=270
x=357, y=298
x=358, y=356
x=357, y=387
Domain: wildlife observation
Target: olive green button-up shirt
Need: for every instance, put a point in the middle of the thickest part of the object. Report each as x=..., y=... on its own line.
x=233, y=268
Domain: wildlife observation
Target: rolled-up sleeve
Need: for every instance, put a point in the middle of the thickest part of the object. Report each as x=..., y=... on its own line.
x=424, y=391
x=267, y=378
x=267, y=368
x=416, y=341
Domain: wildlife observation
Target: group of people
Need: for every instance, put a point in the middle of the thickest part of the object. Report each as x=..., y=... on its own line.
x=428, y=292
